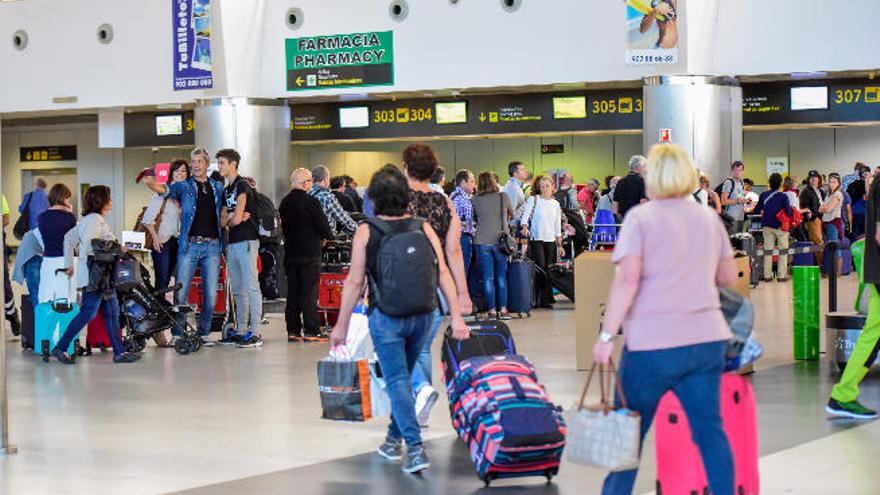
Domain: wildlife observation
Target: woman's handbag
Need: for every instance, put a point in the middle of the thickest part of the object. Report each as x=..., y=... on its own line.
x=602, y=435
x=506, y=243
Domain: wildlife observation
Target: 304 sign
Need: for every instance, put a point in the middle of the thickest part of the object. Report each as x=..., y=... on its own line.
x=402, y=115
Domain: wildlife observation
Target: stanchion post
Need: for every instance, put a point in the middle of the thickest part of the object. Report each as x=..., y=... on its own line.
x=805, y=285
x=5, y=447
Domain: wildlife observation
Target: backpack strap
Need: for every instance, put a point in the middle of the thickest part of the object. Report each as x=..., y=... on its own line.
x=381, y=225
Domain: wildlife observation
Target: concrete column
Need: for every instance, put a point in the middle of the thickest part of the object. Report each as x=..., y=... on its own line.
x=5, y=447
x=703, y=115
x=259, y=129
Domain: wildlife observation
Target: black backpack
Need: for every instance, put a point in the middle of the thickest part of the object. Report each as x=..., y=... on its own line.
x=268, y=222
x=405, y=282
x=721, y=186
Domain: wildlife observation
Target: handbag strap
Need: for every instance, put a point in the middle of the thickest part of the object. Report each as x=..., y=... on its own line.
x=604, y=396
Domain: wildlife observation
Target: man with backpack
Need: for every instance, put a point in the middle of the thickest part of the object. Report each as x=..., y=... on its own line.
x=239, y=215
x=402, y=260
x=733, y=197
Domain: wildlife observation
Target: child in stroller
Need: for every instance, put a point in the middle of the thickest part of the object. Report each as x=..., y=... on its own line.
x=145, y=310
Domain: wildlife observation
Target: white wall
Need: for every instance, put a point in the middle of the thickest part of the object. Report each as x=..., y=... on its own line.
x=784, y=36
x=64, y=57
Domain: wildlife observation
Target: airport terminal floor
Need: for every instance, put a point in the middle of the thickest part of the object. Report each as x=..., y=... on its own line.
x=229, y=421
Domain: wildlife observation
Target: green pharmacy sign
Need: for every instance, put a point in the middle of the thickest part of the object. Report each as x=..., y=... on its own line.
x=340, y=61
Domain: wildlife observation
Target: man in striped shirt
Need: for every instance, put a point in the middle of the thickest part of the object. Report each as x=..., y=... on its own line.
x=338, y=219
x=461, y=198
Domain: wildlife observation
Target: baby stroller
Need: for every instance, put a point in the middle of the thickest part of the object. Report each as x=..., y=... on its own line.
x=144, y=310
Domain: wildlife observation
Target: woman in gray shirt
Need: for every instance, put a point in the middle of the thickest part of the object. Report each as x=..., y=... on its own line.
x=492, y=210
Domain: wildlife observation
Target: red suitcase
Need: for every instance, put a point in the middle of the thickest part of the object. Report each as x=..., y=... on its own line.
x=196, y=297
x=96, y=333
x=679, y=464
x=330, y=292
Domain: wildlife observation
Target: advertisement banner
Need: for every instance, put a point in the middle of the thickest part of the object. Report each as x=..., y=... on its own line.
x=652, y=32
x=340, y=61
x=777, y=165
x=191, y=21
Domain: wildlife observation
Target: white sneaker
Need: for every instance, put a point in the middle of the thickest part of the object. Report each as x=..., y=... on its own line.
x=426, y=397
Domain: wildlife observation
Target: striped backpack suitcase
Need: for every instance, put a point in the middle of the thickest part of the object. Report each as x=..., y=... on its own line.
x=507, y=419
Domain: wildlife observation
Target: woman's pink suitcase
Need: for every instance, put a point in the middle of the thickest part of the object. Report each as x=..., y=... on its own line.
x=679, y=465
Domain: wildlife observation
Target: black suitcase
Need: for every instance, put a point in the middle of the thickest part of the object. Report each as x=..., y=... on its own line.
x=488, y=338
x=27, y=322
x=562, y=279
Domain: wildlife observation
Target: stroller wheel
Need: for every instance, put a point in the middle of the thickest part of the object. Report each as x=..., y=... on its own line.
x=139, y=342
x=195, y=343
x=129, y=344
x=182, y=347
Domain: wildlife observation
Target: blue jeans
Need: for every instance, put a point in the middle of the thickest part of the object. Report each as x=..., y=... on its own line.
x=398, y=343
x=494, y=266
x=694, y=373
x=205, y=256
x=164, y=263
x=241, y=260
x=32, y=278
x=421, y=374
x=91, y=303
x=467, y=251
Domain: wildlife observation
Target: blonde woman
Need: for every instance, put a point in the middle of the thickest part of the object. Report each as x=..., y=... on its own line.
x=672, y=255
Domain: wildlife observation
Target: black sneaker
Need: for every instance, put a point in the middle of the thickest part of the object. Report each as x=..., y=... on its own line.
x=62, y=356
x=126, y=357
x=849, y=410
x=294, y=337
x=249, y=340
x=206, y=341
x=319, y=336
x=392, y=449
x=416, y=460
x=231, y=338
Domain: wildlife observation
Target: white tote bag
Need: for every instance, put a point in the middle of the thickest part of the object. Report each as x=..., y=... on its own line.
x=358, y=344
x=601, y=435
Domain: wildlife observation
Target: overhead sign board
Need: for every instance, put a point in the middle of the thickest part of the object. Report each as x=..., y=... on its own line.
x=492, y=114
x=811, y=102
x=47, y=154
x=148, y=129
x=340, y=61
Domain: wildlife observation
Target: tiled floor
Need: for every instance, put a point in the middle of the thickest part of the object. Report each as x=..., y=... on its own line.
x=236, y=421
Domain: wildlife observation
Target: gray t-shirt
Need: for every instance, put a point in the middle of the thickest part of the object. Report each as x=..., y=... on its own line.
x=488, y=215
x=736, y=191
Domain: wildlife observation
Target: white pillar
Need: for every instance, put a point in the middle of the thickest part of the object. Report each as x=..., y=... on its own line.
x=5, y=447
x=703, y=115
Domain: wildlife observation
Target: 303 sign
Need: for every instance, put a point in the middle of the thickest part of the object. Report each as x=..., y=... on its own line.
x=402, y=115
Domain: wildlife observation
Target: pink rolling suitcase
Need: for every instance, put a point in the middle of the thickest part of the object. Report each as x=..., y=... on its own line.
x=679, y=465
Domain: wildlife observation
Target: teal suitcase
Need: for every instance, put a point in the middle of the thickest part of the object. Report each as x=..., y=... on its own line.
x=50, y=321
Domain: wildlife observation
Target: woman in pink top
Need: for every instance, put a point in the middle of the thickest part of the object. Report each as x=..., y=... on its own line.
x=672, y=255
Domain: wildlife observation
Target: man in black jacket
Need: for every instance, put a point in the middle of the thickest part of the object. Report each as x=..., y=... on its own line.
x=304, y=226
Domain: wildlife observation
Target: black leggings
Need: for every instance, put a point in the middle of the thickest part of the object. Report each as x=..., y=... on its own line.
x=544, y=256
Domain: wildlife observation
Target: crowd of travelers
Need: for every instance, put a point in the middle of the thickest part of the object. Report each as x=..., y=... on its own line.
x=203, y=222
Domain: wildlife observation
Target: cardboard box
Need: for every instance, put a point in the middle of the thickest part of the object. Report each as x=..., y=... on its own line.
x=743, y=271
x=593, y=273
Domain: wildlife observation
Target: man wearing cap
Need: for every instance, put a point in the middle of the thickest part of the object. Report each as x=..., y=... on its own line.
x=811, y=199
